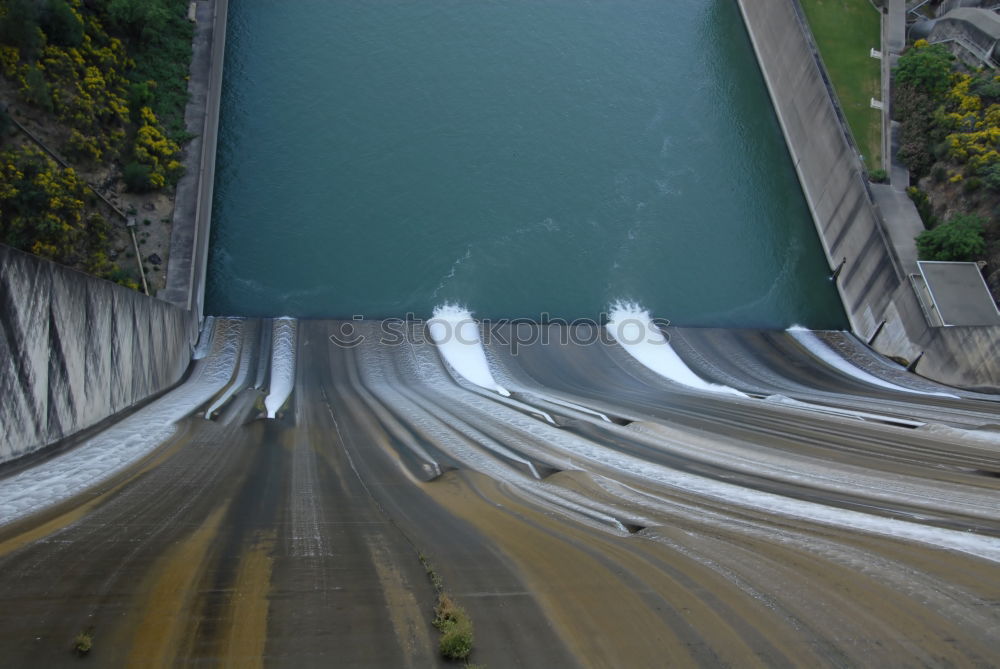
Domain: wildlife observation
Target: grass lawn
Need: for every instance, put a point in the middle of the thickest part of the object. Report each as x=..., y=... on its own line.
x=845, y=31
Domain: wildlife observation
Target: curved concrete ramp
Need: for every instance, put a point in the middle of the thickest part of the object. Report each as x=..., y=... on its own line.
x=602, y=515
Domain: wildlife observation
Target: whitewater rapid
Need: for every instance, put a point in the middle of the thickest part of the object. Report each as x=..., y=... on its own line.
x=283, y=338
x=633, y=328
x=456, y=335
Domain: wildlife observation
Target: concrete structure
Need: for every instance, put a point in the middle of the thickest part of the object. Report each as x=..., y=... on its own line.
x=957, y=294
x=76, y=349
x=971, y=33
x=878, y=297
x=192, y=220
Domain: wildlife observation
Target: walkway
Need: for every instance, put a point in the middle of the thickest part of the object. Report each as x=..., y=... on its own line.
x=899, y=216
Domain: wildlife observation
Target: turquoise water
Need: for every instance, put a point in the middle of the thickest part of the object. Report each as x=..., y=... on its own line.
x=521, y=158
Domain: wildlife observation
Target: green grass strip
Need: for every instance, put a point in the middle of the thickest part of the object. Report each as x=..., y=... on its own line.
x=846, y=31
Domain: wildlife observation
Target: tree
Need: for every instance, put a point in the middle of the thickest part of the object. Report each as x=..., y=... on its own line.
x=139, y=18
x=915, y=104
x=61, y=24
x=959, y=239
x=991, y=176
x=36, y=90
x=926, y=67
x=19, y=27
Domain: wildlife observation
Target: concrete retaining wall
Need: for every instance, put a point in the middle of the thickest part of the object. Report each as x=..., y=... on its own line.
x=75, y=349
x=876, y=294
x=192, y=222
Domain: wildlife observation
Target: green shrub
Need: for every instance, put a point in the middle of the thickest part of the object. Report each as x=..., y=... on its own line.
x=61, y=24
x=991, y=176
x=923, y=205
x=136, y=176
x=456, y=629
x=926, y=67
x=959, y=239
x=985, y=86
x=456, y=643
x=972, y=184
x=36, y=89
x=19, y=27
x=83, y=642
x=877, y=176
x=140, y=94
x=139, y=18
x=914, y=154
x=162, y=56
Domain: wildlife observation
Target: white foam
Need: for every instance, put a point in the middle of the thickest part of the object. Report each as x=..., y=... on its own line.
x=457, y=337
x=246, y=353
x=631, y=326
x=204, y=338
x=283, y=331
x=814, y=345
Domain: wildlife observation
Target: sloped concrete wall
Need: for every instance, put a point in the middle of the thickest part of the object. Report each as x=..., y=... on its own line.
x=828, y=166
x=75, y=349
x=876, y=293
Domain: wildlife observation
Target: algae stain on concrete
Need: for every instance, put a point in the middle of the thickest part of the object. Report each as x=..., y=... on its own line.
x=603, y=621
x=164, y=630
x=40, y=526
x=246, y=627
x=409, y=620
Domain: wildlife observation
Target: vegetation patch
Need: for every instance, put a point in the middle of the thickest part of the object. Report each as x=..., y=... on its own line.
x=958, y=239
x=450, y=619
x=845, y=32
x=455, y=627
x=950, y=141
x=107, y=79
x=84, y=642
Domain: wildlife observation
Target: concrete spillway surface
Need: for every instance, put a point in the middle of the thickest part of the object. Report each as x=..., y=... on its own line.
x=602, y=513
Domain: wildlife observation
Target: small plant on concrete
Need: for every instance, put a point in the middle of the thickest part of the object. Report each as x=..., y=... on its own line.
x=83, y=642
x=456, y=629
x=431, y=574
x=450, y=619
x=877, y=176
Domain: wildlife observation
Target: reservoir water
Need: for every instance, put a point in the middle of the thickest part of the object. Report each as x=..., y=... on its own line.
x=521, y=158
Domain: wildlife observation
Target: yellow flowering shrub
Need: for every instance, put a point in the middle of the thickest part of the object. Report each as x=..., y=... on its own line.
x=88, y=91
x=41, y=206
x=155, y=150
x=10, y=56
x=973, y=139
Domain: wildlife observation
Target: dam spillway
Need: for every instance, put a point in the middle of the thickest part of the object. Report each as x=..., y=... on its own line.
x=308, y=491
x=599, y=514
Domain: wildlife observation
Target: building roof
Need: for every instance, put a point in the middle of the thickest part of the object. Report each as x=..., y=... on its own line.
x=959, y=293
x=984, y=20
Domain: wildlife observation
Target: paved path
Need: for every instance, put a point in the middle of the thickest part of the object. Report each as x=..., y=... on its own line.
x=902, y=222
x=899, y=215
